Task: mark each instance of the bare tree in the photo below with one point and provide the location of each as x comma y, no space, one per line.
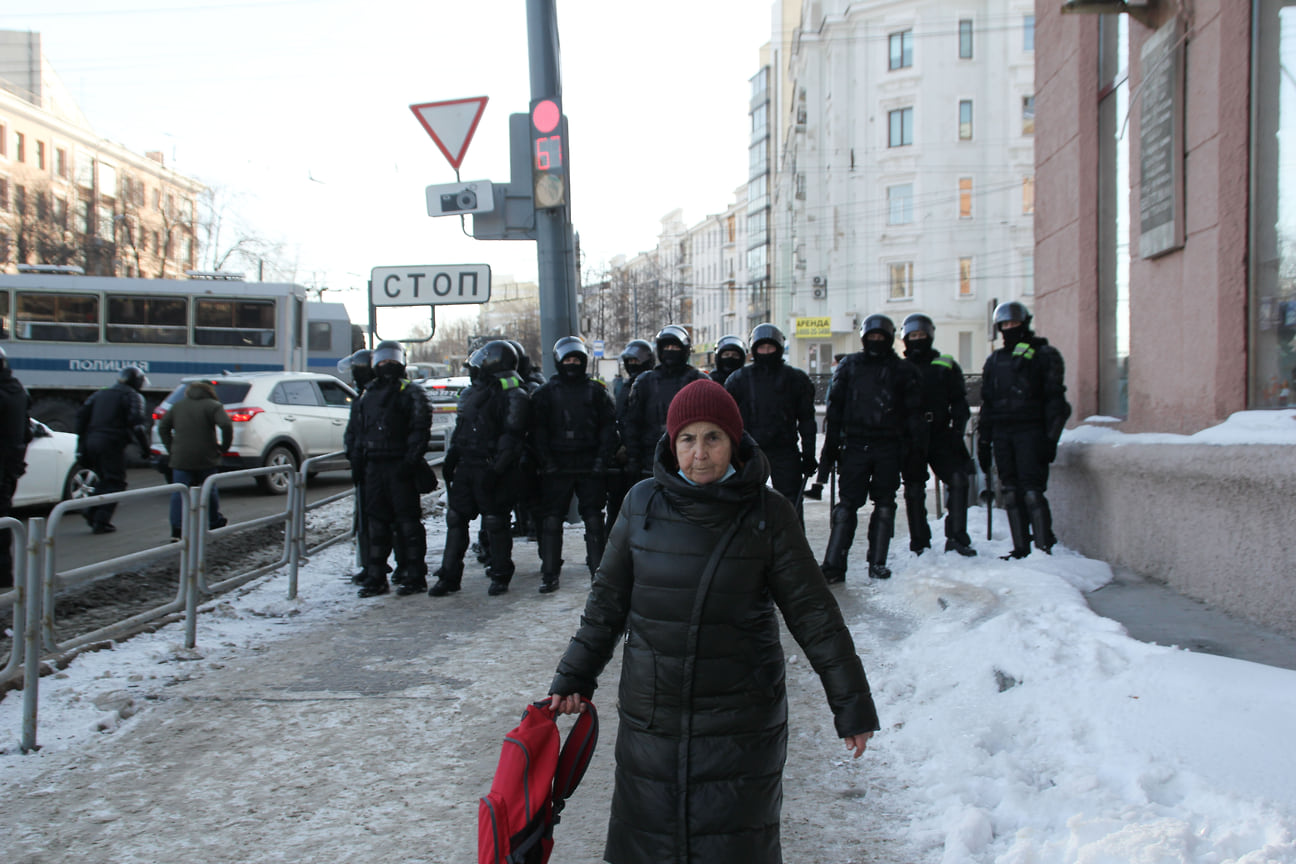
227,241
41,231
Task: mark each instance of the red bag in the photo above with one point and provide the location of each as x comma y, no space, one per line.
532,783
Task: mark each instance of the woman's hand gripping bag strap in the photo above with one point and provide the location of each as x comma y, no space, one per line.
532,783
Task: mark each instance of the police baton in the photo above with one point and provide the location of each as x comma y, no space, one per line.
988,498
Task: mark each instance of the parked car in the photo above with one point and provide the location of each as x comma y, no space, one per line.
443,393
280,418
53,473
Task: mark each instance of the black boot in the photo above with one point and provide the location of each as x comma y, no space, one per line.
956,536
1017,525
1041,520
482,547
380,546
916,511
595,542
450,574
412,538
844,522
551,562
501,543
881,527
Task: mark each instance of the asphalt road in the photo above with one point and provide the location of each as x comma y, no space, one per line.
145,523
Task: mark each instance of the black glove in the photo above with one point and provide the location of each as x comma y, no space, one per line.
448,470
809,464
1050,450
357,471
815,492
985,456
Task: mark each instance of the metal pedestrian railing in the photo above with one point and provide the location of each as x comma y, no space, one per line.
37,579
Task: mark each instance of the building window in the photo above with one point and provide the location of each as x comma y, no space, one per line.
901,280
901,127
900,204
901,50
61,162
965,277
4,193
965,119
965,39
20,147
1028,195
1028,114
60,212
965,197
1028,33
40,155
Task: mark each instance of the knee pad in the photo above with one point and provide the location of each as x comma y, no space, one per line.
842,515
552,523
455,519
916,493
492,522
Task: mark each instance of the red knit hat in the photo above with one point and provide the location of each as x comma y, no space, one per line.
704,399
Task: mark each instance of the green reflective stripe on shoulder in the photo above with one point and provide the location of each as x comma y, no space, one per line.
944,360
509,382
1022,349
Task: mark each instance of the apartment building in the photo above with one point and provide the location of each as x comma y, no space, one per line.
69,197
905,170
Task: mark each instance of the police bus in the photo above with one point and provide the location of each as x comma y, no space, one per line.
67,336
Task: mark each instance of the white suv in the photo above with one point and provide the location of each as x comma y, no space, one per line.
280,418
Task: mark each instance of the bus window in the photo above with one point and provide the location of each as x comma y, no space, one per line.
4,314
156,320
319,336
234,322
57,317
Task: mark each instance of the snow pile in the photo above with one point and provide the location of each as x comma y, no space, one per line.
1242,427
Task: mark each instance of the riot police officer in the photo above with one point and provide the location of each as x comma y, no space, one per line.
526,512
107,422
574,428
1023,412
15,434
636,358
777,405
359,368
873,415
480,466
730,355
652,394
388,436
946,412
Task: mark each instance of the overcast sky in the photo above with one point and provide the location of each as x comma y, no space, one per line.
299,111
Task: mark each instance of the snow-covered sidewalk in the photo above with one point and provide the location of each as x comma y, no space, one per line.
1018,727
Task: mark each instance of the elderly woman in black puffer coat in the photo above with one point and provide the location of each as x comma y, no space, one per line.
699,557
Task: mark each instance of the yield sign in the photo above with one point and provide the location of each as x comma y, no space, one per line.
451,124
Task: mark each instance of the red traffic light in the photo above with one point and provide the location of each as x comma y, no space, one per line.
545,116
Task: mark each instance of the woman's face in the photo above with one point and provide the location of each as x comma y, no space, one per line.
703,451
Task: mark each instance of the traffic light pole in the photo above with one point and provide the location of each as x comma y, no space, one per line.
555,249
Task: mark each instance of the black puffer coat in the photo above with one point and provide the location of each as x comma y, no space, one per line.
703,702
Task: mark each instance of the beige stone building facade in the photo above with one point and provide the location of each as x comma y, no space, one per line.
69,197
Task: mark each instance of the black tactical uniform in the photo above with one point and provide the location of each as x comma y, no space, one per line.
359,368
15,433
945,410
526,512
574,429
1023,412
730,355
106,423
651,396
481,466
636,359
388,436
873,416
777,404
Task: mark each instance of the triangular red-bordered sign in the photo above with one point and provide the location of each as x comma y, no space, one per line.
451,124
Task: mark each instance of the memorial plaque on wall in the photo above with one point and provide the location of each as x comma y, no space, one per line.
1161,146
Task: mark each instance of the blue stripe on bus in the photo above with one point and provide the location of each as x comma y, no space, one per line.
158,367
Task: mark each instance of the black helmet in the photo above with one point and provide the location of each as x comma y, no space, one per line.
878,323
637,352
917,323
674,333
495,356
569,345
1011,311
731,343
388,350
523,366
768,333
132,376
357,365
